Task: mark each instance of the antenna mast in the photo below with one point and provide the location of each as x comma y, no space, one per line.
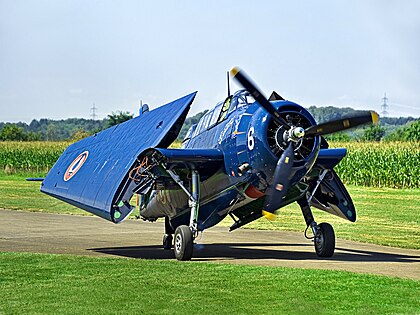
228,84
93,112
384,106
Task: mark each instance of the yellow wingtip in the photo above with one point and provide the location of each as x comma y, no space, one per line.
375,117
270,216
234,71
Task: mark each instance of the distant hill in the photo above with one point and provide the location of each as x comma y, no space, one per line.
323,114
64,129
389,124
60,129
189,122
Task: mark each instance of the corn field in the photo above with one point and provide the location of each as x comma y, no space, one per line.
380,164
29,157
377,164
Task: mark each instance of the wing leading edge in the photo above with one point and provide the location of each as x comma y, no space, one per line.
91,173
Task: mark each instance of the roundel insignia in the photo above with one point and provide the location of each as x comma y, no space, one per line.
75,166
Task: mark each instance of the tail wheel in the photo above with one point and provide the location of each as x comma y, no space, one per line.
183,244
325,240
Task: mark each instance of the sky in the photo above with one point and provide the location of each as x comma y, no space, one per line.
58,58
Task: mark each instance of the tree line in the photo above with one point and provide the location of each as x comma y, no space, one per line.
390,128
59,130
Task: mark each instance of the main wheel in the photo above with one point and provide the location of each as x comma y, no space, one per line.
183,245
167,241
325,240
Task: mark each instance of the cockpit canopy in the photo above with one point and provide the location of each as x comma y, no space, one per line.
219,113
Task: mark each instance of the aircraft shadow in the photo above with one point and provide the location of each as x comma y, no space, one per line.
238,251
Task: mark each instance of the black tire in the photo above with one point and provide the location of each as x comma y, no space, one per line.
183,243
167,241
325,241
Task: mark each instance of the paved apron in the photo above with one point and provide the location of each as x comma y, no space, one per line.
85,235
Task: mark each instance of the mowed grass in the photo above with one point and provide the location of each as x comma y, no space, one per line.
60,284
384,216
18,194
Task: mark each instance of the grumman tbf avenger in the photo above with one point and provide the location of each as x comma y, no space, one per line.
246,158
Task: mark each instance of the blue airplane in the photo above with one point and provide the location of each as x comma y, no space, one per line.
247,157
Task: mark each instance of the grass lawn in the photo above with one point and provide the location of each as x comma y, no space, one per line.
18,194
385,216
60,284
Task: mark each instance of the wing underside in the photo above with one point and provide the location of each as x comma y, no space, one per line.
158,169
332,196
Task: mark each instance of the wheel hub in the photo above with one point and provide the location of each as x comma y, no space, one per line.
319,239
178,243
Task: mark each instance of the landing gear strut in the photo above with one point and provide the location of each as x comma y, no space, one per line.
185,235
324,237
167,238
167,241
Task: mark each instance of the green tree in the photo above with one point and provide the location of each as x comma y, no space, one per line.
189,122
52,132
373,133
12,132
33,136
79,135
412,132
118,117
339,136
409,132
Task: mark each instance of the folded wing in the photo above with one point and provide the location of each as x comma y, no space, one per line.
93,173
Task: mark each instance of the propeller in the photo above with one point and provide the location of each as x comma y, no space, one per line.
281,179
258,96
342,124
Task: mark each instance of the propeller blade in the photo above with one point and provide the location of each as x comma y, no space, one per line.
342,124
281,183
258,96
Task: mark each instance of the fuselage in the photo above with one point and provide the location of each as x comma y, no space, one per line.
251,143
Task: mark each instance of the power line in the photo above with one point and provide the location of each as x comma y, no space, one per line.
404,106
384,106
93,112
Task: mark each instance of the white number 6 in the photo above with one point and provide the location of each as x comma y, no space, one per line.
251,141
